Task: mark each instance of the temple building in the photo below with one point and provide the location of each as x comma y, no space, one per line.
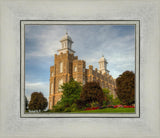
67,66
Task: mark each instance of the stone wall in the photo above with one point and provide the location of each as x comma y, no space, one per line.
72,67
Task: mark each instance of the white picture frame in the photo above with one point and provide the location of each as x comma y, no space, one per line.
136,23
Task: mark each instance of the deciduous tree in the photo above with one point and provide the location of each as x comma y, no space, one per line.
71,93
38,102
126,87
92,92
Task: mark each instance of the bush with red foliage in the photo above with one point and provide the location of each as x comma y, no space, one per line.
92,92
126,88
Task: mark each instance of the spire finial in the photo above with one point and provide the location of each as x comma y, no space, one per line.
66,31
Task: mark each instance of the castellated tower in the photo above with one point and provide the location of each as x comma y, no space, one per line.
67,66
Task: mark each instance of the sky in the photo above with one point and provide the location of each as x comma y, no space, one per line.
115,42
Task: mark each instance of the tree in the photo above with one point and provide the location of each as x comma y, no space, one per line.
108,96
71,93
26,103
126,87
38,102
109,100
92,92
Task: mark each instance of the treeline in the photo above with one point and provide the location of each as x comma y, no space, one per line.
77,97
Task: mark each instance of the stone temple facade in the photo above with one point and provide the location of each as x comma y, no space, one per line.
67,66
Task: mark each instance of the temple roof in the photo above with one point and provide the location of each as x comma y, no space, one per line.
102,59
66,37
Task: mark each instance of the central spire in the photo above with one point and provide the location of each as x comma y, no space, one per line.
66,44
66,32
103,65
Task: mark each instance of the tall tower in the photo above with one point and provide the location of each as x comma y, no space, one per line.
61,72
103,65
66,44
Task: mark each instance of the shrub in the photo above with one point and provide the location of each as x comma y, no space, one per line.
92,92
110,106
71,93
126,88
74,107
95,104
116,101
81,104
108,97
67,109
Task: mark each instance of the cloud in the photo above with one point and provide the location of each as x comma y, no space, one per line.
42,41
116,43
31,87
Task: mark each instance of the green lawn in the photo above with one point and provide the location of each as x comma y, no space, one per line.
109,110
105,110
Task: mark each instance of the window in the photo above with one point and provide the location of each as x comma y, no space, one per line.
60,84
100,65
51,88
84,69
69,45
75,69
51,74
83,81
61,67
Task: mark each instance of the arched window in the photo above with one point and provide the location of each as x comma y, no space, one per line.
51,74
84,81
61,67
51,88
84,69
75,69
60,84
